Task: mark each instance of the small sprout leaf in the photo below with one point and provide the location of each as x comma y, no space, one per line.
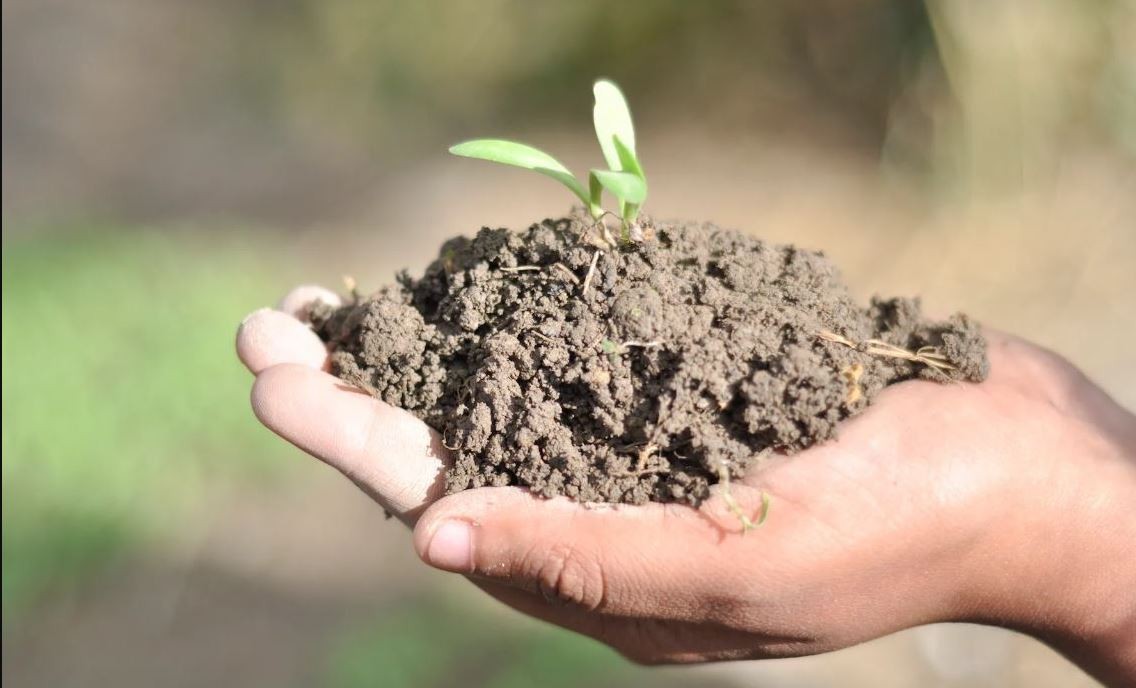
520,155
627,187
624,177
595,190
612,118
627,160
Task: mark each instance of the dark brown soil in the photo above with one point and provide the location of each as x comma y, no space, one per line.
689,354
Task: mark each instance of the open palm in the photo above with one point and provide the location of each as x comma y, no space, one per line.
922,510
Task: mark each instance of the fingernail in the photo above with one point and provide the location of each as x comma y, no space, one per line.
451,548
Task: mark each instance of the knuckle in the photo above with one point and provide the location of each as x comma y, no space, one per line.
565,575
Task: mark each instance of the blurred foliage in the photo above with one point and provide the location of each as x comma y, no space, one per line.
1027,84
382,70
426,643
121,394
289,111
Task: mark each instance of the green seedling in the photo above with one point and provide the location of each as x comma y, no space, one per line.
624,178
611,117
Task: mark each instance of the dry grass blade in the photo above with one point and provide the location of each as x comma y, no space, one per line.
927,355
833,337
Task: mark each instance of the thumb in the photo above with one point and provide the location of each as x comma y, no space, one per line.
655,560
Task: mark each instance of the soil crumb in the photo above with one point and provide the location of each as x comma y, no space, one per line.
630,374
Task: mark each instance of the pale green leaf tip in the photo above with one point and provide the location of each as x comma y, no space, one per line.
462,147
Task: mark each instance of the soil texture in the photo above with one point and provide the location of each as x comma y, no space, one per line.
647,372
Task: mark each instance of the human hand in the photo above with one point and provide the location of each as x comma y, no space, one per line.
1007,502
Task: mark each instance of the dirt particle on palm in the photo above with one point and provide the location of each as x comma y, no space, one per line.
689,354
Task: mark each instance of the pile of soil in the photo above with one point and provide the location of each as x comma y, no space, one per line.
552,360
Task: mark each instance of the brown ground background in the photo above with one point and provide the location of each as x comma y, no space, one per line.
190,160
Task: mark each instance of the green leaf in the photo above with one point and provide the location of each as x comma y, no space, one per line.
521,155
596,190
630,212
625,186
612,118
627,160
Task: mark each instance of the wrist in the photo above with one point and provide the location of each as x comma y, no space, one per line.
1098,629
1099,632
1062,566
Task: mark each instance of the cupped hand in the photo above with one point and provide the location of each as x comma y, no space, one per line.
938,503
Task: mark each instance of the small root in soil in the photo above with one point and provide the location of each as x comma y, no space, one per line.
591,272
522,268
642,458
567,271
539,335
606,237
736,509
613,349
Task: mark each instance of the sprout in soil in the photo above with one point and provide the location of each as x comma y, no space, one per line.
623,179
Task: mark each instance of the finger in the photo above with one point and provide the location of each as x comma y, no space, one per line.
386,451
297,302
652,641
656,561
267,338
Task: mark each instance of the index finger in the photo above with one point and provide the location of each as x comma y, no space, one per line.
391,455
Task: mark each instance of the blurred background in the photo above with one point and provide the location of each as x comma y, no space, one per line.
169,166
